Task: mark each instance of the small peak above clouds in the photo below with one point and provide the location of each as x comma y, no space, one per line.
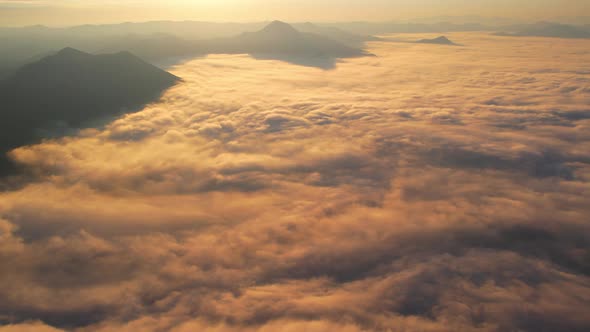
442,40
281,41
279,27
69,51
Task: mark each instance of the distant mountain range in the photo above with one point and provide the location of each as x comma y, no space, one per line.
153,48
547,29
71,88
381,28
277,40
152,41
159,41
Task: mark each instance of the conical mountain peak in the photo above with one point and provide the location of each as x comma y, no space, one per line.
278,27
70,52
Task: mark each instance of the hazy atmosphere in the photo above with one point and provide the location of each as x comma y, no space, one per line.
69,12
418,166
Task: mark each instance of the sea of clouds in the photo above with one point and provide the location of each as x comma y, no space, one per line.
429,188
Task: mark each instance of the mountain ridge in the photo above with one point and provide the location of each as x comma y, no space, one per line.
72,88
281,38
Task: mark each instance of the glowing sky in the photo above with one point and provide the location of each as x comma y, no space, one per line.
68,12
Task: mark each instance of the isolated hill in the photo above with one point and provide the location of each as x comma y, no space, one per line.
282,39
72,88
547,29
442,40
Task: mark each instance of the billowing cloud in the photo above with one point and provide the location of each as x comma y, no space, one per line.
426,189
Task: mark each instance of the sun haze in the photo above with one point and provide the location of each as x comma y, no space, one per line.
72,12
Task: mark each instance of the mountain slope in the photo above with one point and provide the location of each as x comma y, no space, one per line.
339,35
153,48
72,88
281,38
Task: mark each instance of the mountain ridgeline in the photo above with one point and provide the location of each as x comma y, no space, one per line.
282,38
281,41
70,89
339,35
161,41
278,40
548,29
165,43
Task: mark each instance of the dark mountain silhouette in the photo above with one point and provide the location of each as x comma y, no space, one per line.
281,41
547,29
70,89
159,42
277,40
442,40
279,28
282,38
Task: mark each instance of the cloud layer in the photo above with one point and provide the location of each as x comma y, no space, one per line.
426,189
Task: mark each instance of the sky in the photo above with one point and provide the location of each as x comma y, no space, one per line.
72,12
427,188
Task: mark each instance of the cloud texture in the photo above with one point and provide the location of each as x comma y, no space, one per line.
426,189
